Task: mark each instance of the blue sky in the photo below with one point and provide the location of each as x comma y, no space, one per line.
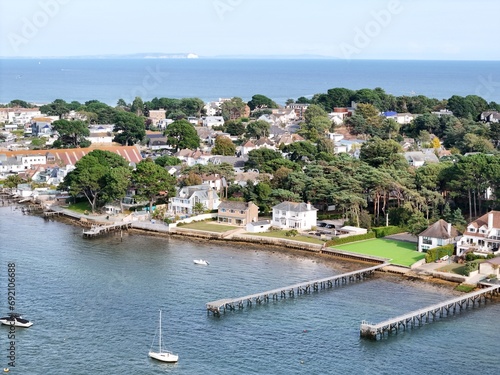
356,29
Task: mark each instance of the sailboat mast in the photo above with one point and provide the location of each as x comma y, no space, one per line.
159,339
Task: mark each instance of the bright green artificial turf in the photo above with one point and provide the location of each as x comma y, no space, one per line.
400,253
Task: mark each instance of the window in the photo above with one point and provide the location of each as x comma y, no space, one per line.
242,212
471,229
427,240
223,210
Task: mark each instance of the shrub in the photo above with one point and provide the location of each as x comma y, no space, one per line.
291,233
466,288
470,267
387,231
439,252
359,237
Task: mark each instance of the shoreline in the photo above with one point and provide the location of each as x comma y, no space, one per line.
343,262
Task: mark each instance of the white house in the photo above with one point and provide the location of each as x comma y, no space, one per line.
211,121
482,235
301,216
438,234
188,196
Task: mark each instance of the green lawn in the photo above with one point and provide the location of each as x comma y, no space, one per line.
281,234
80,207
209,227
400,253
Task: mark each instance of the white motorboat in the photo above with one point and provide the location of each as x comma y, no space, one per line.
162,355
201,262
16,320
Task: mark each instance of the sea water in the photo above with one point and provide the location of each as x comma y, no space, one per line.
95,306
107,80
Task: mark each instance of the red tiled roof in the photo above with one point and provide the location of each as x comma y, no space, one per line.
72,155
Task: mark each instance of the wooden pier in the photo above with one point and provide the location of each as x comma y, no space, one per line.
290,291
96,230
428,314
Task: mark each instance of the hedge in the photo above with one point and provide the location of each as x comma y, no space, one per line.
439,252
359,237
387,231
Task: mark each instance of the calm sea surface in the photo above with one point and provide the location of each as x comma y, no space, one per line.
42,81
95,306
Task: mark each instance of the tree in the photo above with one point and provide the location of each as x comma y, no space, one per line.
417,223
165,160
258,158
258,129
260,101
12,181
378,152
235,128
71,133
233,109
95,178
57,108
199,208
152,181
316,123
137,106
129,128
223,146
181,134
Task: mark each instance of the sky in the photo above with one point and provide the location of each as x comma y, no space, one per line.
356,29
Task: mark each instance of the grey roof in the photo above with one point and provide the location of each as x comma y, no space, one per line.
259,223
439,230
234,205
294,207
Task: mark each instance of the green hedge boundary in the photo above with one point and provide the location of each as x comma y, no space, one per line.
359,237
438,252
387,231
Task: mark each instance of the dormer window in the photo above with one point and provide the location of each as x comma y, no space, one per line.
471,229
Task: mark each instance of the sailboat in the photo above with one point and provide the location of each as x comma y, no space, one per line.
162,355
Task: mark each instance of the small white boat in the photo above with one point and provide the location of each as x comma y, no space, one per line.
16,320
201,262
162,355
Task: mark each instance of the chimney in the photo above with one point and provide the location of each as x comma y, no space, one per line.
449,229
490,220
308,206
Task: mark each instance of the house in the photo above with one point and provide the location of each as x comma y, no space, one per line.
188,196
490,116
157,115
443,112
258,226
101,134
490,267
301,216
482,236
438,234
39,128
237,213
418,158
247,147
298,108
193,157
211,121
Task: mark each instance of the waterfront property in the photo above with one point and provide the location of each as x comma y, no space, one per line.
438,234
290,291
302,216
238,213
482,235
427,314
399,252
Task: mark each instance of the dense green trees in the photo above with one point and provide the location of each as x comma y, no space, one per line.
100,176
223,146
72,133
260,101
152,181
181,134
129,128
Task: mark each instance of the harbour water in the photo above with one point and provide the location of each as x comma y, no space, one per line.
94,304
107,80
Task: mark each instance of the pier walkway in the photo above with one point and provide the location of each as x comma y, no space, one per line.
96,230
427,314
290,291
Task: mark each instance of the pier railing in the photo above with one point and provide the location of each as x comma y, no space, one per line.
427,314
216,307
